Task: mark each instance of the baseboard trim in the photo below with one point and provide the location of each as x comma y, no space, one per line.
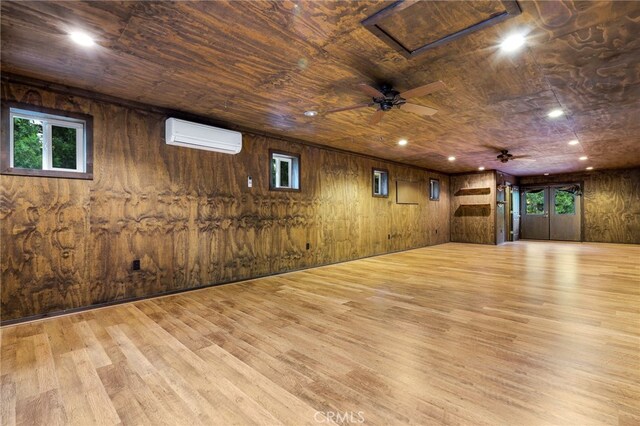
48,315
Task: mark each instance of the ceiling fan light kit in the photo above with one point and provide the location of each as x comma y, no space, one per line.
386,98
505,157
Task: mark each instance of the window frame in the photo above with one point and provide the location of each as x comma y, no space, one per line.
291,156
431,197
53,117
555,193
545,206
373,182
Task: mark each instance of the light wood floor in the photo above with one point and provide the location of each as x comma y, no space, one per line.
526,333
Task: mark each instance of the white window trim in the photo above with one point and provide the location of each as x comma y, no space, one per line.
279,160
380,190
433,183
293,167
49,120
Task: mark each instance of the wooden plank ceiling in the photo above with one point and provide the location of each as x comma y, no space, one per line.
262,64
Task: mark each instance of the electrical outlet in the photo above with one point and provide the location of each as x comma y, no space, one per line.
249,181
136,265
308,246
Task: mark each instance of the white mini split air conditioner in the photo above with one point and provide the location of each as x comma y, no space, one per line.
198,136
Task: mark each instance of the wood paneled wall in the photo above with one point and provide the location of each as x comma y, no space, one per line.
611,203
473,217
189,215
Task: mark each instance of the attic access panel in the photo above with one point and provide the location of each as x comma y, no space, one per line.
412,27
407,192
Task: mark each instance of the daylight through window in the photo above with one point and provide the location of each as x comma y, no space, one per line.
434,189
380,183
47,142
285,171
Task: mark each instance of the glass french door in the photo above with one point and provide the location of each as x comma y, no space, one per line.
534,223
565,220
551,213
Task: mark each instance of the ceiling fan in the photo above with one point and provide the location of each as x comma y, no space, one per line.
504,157
387,98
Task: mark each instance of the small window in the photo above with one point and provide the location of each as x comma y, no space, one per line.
380,183
284,171
43,142
564,202
534,202
434,189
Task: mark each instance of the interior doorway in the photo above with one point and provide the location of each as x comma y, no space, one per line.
507,214
514,204
551,212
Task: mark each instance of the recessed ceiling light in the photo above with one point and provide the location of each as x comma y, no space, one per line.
311,113
512,43
402,142
584,157
555,113
81,38
574,142
546,174
589,168
452,158
481,168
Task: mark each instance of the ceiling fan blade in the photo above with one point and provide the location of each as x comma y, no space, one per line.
423,90
363,105
418,109
376,117
371,91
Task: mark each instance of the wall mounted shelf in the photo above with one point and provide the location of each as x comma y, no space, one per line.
473,191
467,210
